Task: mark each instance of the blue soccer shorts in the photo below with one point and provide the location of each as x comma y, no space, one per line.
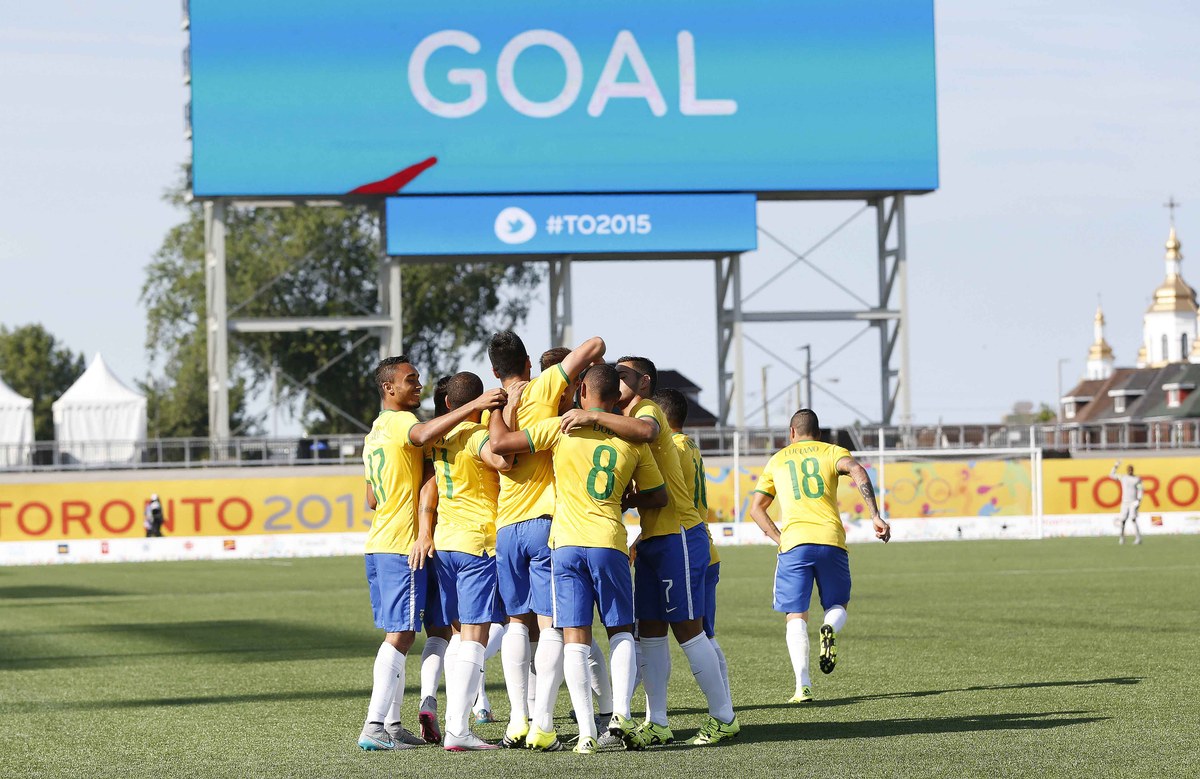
711,576
669,576
799,566
523,567
466,586
586,578
397,592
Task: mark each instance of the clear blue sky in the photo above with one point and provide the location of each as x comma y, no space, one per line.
1063,128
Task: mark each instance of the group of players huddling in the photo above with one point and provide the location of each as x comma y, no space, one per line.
498,523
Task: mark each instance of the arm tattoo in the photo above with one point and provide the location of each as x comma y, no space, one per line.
868,493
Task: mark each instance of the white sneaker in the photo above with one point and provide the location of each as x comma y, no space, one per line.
402,735
467,743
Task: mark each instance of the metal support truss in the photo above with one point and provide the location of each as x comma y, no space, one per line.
386,325
890,315
561,331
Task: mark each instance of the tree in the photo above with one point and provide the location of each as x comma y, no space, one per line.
306,261
37,366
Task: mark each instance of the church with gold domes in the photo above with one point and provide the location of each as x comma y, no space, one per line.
1163,384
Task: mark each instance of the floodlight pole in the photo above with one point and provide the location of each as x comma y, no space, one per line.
391,334
216,319
729,338
561,330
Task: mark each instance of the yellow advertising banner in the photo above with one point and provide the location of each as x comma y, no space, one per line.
257,505
1086,486
191,507
954,488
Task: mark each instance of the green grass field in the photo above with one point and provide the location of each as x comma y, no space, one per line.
1052,658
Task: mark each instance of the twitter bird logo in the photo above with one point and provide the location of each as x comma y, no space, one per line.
515,225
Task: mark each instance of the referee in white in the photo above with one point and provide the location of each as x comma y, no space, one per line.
1131,499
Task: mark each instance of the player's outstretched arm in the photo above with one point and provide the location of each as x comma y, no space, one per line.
424,432
503,440
493,460
758,512
422,549
634,430
852,468
587,353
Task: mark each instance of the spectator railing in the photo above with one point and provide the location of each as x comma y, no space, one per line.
714,441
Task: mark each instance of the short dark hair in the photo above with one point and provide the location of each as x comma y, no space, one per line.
604,381
439,396
507,353
646,366
463,388
554,356
805,422
385,371
674,404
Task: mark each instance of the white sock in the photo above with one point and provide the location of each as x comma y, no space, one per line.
624,672
797,644
836,618
496,635
388,684
549,664
656,672
579,684
723,664
600,680
707,671
637,658
514,657
531,685
433,657
462,678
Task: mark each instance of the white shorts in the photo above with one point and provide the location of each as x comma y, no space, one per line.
1129,512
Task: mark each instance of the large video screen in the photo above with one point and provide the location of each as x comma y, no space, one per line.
385,97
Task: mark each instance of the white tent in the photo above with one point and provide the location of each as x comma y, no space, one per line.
16,427
99,419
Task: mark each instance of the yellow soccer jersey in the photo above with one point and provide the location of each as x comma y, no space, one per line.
394,467
693,477
680,510
467,491
806,479
695,483
527,489
593,467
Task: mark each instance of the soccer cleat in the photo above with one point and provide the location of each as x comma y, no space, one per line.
621,731
586,746
484,717
467,743
828,659
543,741
428,718
609,743
401,735
514,735
804,696
714,730
651,734
375,738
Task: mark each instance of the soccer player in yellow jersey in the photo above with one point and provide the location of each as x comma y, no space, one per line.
675,406
523,528
464,559
591,555
671,564
396,574
812,541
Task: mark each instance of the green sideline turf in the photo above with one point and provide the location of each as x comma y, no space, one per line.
1051,658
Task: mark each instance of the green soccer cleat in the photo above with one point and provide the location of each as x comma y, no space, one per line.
543,741
514,735
804,696
650,734
714,730
621,732
586,746
828,660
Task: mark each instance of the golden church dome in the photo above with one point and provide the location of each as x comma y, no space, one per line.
1173,295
